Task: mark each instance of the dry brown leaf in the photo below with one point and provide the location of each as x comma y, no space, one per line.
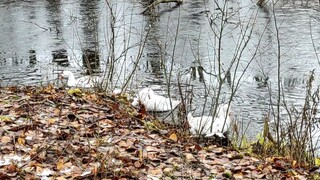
202,157
60,164
238,175
211,147
137,164
196,174
42,154
52,120
267,169
190,157
152,155
95,168
60,178
5,139
217,150
256,174
75,124
141,155
270,159
73,105
21,141
254,159
157,171
91,97
221,161
251,167
173,137
68,164
106,123
56,111
5,118
167,170
125,144
12,168
237,168
49,89
229,155
294,163
152,149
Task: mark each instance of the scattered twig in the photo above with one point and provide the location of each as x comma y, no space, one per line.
46,29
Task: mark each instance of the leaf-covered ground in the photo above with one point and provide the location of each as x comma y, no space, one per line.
49,133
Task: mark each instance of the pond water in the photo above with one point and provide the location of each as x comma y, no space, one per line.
41,38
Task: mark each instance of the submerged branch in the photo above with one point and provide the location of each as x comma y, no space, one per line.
156,2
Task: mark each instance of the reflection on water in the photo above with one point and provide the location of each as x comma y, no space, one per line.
91,61
32,58
60,57
42,37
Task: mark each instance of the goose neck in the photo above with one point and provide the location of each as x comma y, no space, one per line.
71,80
189,116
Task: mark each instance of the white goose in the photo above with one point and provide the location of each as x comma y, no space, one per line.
202,124
84,82
154,102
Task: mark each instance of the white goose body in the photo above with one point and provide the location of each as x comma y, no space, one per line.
221,123
84,82
154,102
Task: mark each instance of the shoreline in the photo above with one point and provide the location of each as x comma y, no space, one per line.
53,133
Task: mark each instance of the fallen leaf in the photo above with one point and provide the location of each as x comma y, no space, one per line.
173,137
52,120
197,147
43,171
60,164
21,141
141,155
137,164
190,157
42,155
254,159
238,175
12,168
49,89
167,170
56,111
60,178
5,118
75,92
123,144
155,171
152,149
91,97
294,163
5,139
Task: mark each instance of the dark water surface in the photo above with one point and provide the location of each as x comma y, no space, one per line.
40,38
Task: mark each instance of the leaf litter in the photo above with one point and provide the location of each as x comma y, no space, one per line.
51,133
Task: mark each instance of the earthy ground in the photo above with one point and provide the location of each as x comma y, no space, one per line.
49,133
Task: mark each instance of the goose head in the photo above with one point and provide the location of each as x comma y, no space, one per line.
69,76
66,74
145,94
142,96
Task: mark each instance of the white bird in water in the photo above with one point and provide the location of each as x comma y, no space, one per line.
84,82
221,123
154,102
